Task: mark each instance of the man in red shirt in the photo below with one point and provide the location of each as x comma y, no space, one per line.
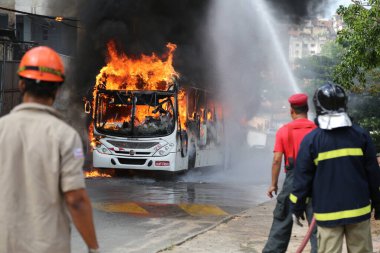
288,140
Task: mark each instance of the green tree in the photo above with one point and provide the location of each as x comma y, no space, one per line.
358,69
332,50
318,69
364,109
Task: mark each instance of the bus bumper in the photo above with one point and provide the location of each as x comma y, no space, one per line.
162,163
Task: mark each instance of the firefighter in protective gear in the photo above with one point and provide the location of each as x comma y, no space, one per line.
337,165
288,139
41,156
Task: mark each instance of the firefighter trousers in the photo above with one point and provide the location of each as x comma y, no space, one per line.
358,238
282,225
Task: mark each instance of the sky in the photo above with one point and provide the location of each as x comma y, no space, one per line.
334,5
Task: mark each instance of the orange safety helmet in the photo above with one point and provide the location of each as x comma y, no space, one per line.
42,63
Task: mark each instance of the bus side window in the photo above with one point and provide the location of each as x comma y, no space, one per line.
201,111
191,103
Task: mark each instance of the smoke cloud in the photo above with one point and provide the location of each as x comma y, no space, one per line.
146,26
297,10
142,27
67,8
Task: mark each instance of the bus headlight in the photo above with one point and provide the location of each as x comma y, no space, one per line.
165,150
103,149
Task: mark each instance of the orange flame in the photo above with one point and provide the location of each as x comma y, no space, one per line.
146,73
209,115
182,100
96,173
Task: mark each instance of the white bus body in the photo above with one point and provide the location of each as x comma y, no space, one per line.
147,145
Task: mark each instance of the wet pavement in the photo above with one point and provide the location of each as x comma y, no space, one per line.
146,214
120,190
139,213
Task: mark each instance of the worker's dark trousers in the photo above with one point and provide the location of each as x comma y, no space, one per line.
281,229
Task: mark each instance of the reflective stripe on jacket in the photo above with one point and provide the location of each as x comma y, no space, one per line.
338,168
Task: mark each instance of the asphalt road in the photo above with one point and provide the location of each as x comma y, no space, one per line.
139,213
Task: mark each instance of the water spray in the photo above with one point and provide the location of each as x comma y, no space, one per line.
269,24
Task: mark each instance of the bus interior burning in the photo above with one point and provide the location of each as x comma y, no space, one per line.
145,118
135,113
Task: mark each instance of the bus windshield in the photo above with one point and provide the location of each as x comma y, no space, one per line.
135,113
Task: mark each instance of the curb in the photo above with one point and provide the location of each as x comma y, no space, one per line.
190,237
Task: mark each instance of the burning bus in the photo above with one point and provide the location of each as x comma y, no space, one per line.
144,118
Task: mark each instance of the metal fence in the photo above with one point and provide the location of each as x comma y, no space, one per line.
9,93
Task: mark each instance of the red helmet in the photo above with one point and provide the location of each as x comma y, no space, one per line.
42,63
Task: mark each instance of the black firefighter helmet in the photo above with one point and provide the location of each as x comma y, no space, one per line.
329,99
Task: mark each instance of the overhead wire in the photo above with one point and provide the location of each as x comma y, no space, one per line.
59,19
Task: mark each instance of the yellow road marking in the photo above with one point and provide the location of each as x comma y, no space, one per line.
202,210
120,208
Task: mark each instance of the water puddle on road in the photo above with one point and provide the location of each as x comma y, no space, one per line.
204,187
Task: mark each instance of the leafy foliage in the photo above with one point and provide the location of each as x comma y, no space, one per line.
359,69
316,70
361,39
372,125
365,111
363,106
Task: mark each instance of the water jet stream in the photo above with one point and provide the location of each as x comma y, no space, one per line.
263,11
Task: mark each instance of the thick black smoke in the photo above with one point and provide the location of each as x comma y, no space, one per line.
145,26
142,27
296,10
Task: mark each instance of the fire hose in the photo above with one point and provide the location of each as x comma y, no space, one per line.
307,236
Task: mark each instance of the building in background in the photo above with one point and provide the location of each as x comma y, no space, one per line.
40,24
7,23
61,36
21,31
338,23
7,20
308,38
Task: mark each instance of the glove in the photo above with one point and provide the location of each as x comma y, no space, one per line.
93,250
297,217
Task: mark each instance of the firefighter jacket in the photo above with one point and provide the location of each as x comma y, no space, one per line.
338,168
